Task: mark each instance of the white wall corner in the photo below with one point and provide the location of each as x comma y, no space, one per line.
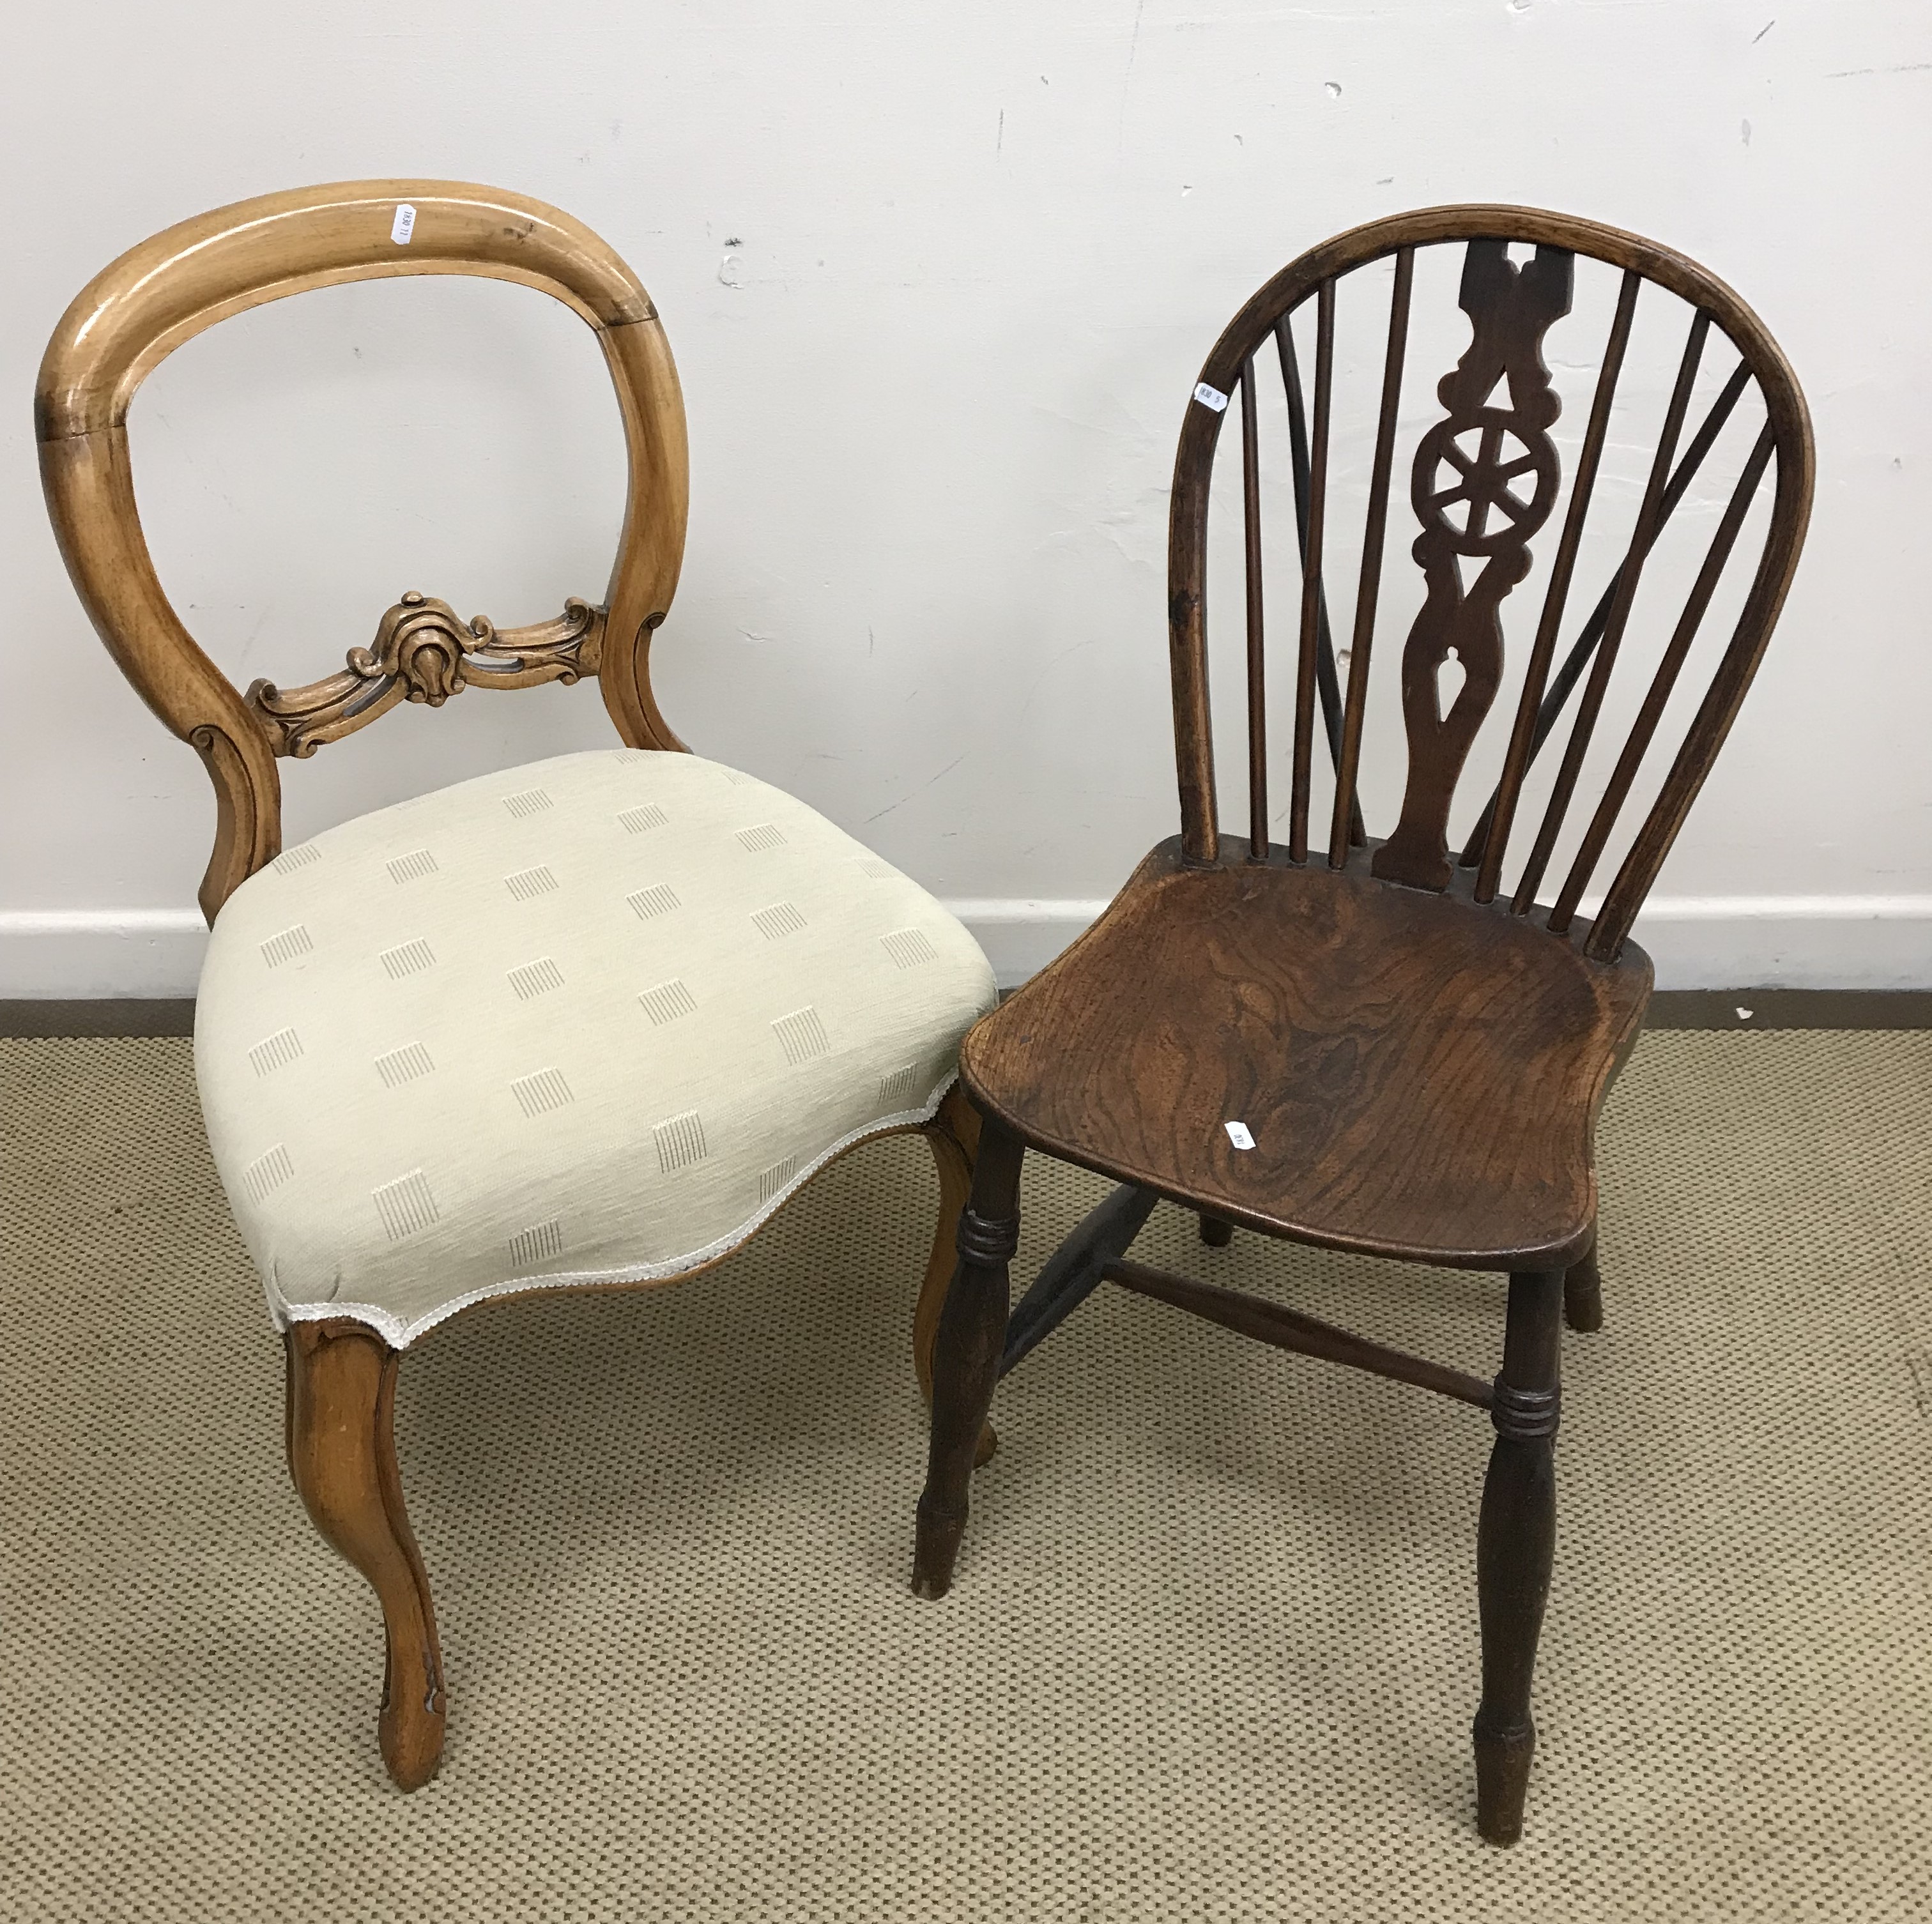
1715,941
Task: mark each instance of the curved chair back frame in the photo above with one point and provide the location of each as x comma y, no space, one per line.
139,311
1509,309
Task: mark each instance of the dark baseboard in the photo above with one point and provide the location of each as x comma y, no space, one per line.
1669,1008
128,1016
1790,1008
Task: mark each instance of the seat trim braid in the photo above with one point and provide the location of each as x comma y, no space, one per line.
399,1334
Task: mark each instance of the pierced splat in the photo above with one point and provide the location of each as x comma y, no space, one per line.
1484,481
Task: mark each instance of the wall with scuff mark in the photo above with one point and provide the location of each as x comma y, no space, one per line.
939,281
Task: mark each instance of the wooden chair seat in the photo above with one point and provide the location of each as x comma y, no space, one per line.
1419,1074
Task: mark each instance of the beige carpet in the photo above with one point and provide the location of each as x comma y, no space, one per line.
1212,1651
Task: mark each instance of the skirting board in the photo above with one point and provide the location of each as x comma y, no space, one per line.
1793,941
1733,1008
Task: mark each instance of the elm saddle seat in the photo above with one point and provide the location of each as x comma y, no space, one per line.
1420,1073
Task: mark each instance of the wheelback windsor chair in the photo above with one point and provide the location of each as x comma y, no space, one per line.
1378,1046
587,1022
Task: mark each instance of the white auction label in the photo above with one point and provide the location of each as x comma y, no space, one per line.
405,225
1210,397
1237,1134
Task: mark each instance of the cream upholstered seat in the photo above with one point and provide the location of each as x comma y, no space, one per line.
592,1019
586,1022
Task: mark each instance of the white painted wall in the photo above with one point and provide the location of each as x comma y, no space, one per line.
938,280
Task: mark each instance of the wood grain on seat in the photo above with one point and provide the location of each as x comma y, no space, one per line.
1419,1074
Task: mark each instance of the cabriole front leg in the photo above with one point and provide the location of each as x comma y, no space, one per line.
342,1455
966,1354
953,1136
1515,1545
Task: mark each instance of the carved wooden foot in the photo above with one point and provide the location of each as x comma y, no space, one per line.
1583,1294
1216,1232
953,1136
1516,1543
966,1355
341,1400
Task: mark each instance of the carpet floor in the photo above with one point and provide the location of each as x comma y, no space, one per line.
1212,1654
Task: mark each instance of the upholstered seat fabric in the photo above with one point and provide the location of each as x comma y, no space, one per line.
590,1021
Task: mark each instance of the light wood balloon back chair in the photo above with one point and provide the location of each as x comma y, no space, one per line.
136,312
1388,1046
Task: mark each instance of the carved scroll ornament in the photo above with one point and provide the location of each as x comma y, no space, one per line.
1511,473
424,652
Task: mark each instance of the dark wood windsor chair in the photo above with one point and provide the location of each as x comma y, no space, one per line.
1380,1046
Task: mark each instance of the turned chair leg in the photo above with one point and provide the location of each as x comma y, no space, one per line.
966,1354
341,1401
1583,1293
953,1136
1217,1232
1516,1543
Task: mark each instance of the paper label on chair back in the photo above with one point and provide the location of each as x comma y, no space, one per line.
1238,1134
404,225
1210,397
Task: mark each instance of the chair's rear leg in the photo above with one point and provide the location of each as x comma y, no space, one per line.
1583,1293
953,1136
966,1354
1217,1232
1516,1543
341,1403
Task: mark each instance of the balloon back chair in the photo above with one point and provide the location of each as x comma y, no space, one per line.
1388,1046
588,1022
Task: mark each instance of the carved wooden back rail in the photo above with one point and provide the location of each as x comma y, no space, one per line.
136,312
1505,491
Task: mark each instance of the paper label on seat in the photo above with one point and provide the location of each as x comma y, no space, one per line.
1237,1134
404,226
1210,397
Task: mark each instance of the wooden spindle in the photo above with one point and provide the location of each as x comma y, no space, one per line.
1628,577
1349,761
1665,679
1578,659
1251,524
1311,571
1325,683
1791,509
1515,764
